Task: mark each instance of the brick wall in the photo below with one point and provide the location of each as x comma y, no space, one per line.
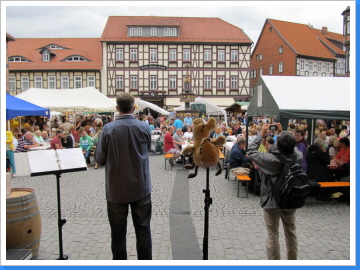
268,45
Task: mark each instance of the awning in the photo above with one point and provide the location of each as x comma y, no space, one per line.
173,102
142,104
221,101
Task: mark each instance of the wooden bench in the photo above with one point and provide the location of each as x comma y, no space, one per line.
222,157
167,157
334,184
243,178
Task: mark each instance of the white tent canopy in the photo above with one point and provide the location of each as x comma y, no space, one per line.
69,99
211,108
301,97
142,104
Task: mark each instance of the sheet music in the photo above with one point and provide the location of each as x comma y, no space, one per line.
71,158
43,161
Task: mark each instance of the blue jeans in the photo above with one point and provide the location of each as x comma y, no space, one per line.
141,215
87,156
11,159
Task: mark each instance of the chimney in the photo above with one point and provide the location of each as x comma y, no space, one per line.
324,30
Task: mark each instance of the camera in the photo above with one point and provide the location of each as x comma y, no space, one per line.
273,127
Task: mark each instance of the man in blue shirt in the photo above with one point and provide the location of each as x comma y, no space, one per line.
188,120
123,146
177,124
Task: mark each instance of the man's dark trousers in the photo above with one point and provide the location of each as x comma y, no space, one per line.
141,215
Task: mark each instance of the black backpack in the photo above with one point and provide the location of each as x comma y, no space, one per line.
291,187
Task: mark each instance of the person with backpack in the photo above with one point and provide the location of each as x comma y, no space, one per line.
271,167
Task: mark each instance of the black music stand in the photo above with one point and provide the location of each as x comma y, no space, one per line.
61,222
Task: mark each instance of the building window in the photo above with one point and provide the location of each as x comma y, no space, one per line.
38,82
119,54
347,25
173,32
153,55
90,81
132,32
234,55
186,55
76,58
64,82
311,65
280,49
261,71
270,29
55,47
17,59
133,55
24,83
319,66
12,83
172,82
234,82
271,69
302,64
172,55
327,67
221,83
153,82
207,55
254,74
133,82
46,57
139,31
281,67
119,82
166,32
51,82
221,56
77,81
207,82
153,32
260,57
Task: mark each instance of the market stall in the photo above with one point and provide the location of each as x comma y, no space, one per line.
297,97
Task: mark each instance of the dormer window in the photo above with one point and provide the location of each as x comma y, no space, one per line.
135,31
18,59
153,32
55,47
173,32
170,32
76,58
46,57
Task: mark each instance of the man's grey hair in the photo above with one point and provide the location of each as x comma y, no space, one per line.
319,143
286,143
241,140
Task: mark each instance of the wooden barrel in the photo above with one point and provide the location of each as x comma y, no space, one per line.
23,221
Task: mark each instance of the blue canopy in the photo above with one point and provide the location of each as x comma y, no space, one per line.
17,107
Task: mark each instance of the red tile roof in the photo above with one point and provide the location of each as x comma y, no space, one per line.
30,48
191,29
308,41
9,37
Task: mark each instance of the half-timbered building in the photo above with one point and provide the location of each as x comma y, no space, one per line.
149,57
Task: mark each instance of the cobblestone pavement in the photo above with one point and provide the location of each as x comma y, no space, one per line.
236,230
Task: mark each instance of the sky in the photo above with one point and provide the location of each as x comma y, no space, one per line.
88,19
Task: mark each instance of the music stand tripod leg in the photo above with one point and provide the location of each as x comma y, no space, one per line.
61,222
208,202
